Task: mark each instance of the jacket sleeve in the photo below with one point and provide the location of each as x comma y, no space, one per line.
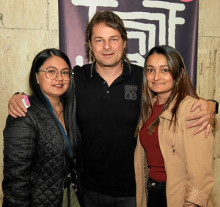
198,152
141,172
19,149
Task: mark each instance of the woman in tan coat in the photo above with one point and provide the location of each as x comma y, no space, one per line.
172,168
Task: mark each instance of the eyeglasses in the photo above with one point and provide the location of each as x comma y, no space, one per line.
52,73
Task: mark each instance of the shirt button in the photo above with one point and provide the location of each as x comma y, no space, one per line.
107,91
104,82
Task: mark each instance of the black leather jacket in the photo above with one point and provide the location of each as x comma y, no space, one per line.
34,159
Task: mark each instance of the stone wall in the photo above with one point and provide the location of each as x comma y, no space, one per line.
27,27
208,77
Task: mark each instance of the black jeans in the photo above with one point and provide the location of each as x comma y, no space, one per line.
96,199
156,193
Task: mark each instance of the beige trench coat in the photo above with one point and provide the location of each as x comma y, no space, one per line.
188,162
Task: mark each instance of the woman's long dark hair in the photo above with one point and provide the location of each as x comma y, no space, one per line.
182,87
67,99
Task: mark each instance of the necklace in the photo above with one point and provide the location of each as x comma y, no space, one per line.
60,117
57,113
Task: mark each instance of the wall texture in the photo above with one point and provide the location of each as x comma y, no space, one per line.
208,78
26,27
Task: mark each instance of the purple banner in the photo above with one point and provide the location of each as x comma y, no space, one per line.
148,23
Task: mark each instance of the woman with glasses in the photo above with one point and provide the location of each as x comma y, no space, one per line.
41,149
173,167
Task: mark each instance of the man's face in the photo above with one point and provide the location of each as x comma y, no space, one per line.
107,45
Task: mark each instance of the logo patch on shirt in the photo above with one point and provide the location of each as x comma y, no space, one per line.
130,92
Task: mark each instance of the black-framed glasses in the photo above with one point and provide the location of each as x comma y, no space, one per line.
52,73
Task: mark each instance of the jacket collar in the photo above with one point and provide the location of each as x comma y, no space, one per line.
167,114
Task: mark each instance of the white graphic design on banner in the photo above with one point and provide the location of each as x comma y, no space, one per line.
142,30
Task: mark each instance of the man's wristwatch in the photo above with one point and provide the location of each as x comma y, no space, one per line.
216,105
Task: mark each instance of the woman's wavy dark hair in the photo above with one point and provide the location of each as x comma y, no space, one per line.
182,87
110,19
67,99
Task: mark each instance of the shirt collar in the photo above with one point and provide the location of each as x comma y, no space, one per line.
126,69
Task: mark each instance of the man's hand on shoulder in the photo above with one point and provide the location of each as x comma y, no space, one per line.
16,107
204,118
